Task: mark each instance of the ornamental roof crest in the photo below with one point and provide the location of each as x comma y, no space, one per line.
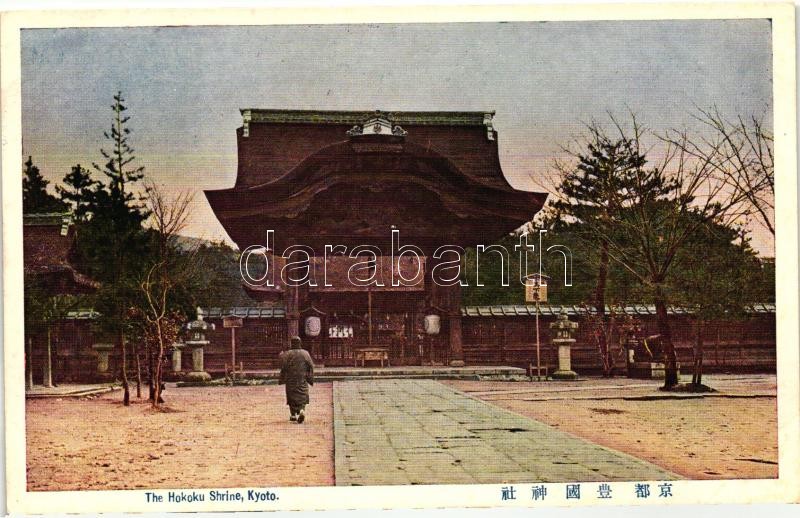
378,124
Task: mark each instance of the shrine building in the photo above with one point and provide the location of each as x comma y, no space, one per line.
349,179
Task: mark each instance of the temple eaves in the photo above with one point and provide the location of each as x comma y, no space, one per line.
420,118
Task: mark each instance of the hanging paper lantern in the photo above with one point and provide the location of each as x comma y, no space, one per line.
432,324
313,326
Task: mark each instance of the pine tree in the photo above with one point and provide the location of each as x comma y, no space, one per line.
120,177
669,204
113,242
35,197
79,192
592,193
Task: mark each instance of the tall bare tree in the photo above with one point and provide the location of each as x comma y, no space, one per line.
169,270
646,222
740,155
667,204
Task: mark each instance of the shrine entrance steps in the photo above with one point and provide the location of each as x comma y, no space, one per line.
407,372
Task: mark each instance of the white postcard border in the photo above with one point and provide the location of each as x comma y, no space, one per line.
784,489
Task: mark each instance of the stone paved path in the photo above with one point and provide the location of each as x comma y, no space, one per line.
421,432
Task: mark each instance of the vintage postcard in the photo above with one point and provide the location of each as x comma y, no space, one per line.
298,259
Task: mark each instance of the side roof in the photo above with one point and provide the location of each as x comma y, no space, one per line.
46,244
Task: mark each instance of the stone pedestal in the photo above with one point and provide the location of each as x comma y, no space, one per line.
564,371
198,370
658,370
103,353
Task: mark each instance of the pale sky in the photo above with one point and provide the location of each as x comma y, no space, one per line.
184,86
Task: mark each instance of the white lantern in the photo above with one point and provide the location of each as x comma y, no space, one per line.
432,324
313,326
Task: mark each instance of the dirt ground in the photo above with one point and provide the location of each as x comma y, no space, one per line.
212,437
241,437
702,438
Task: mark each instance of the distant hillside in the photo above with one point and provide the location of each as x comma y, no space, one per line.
189,243
222,283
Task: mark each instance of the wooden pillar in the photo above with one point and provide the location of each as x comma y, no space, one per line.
448,300
453,308
29,365
456,347
292,312
48,362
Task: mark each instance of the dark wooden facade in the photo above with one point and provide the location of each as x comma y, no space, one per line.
744,345
499,335
74,359
502,335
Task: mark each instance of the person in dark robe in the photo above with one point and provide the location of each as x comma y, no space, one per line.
297,373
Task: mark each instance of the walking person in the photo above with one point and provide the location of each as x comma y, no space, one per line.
297,373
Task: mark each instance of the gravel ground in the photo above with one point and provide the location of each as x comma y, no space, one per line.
699,438
241,437
208,438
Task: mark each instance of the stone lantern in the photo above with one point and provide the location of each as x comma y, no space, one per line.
103,351
631,341
196,339
564,331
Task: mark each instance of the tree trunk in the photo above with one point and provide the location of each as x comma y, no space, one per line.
150,371
126,391
138,372
48,364
670,361
157,400
697,374
600,308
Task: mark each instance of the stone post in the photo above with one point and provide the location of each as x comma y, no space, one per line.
177,358
103,353
564,332
47,373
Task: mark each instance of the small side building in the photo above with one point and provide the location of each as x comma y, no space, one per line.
48,246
